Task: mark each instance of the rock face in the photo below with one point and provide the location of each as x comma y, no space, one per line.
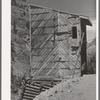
91,54
20,38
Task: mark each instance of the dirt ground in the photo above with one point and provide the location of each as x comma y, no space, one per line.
83,88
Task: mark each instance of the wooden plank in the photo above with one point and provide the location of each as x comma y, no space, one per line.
62,33
45,79
42,27
28,98
55,66
44,47
32,87
48,85
43,35
38,85
29,89
40,13
30,95
33,93
45,87
44,24
41,20
36,82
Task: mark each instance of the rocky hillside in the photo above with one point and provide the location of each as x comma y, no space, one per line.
92,43
20,37
91,56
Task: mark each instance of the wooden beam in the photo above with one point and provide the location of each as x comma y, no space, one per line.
50,26
40,13
41,20
83,23
85,20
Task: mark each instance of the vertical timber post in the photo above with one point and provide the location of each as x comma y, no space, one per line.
83,23
30,38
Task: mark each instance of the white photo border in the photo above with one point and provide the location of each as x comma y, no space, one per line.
6,50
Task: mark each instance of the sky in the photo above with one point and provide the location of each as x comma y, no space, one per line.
81,7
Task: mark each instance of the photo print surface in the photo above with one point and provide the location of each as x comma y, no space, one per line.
53,50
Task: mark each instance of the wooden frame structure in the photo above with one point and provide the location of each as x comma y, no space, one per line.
46,36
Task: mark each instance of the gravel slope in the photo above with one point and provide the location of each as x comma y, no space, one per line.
83,88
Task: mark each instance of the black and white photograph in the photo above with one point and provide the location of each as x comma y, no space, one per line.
53,50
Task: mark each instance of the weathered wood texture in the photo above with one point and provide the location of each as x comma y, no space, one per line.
42,43
35,87
53,51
